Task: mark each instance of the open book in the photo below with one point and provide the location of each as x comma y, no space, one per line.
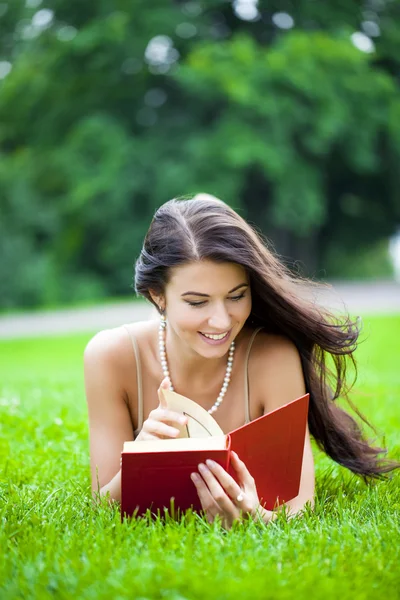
153,472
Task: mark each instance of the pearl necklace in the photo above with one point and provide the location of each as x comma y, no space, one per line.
164,365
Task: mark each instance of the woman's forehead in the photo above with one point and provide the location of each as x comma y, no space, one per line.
207,277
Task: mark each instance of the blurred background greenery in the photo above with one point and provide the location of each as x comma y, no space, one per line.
287,110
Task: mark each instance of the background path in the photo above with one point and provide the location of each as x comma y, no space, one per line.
358,298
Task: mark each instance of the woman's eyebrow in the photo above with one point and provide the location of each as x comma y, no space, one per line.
207,296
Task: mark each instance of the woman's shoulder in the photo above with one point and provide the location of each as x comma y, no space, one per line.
272,345
276,370
114,346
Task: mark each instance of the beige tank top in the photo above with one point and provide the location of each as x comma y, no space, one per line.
140,384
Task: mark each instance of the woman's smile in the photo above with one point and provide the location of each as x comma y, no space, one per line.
215,339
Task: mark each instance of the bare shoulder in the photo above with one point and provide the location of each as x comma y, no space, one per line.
108,360
276,370
108,347
277,349
113,347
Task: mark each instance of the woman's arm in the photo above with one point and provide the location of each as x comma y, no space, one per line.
109,419
113,487
108,361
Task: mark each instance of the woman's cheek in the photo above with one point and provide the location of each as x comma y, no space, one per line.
246,310
188,319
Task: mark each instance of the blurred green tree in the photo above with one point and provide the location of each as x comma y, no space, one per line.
307,127
107,109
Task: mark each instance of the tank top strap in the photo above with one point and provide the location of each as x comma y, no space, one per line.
138,376
246,376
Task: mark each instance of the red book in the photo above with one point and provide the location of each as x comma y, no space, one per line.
154,472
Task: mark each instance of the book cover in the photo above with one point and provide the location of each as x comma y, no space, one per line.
152,473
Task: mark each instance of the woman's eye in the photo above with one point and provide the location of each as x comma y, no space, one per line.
234,298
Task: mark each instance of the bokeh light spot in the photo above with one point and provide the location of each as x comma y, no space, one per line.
362,42
160,51
186,30
155,97
371,28
30,32
283,20
43,18
66,33
5,68
33,3
246,10
192,9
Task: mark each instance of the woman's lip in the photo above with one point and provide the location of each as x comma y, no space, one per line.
206,333
215,342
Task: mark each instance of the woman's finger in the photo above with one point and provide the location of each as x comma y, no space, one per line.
158,428
164,386
208,503
217,491
146,437
243,474
167,416
231,487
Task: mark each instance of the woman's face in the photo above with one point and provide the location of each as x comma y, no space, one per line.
204,299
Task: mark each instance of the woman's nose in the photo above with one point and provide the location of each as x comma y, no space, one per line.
220,320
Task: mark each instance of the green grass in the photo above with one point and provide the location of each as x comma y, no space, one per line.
54,544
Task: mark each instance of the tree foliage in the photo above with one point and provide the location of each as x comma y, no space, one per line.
110,109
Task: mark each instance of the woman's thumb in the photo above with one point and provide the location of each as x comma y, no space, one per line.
164,386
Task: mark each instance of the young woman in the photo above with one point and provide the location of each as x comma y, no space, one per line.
237,335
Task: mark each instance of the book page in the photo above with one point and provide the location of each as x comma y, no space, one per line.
200,423
176,445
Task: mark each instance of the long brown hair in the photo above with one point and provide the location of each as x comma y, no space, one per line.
204,227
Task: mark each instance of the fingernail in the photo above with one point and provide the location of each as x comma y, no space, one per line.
202,468
194,477
210,463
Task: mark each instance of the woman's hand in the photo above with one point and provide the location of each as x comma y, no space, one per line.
162,423
219,493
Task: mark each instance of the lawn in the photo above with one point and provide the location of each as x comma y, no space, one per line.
54,544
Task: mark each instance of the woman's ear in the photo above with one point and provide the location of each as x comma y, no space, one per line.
158,300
